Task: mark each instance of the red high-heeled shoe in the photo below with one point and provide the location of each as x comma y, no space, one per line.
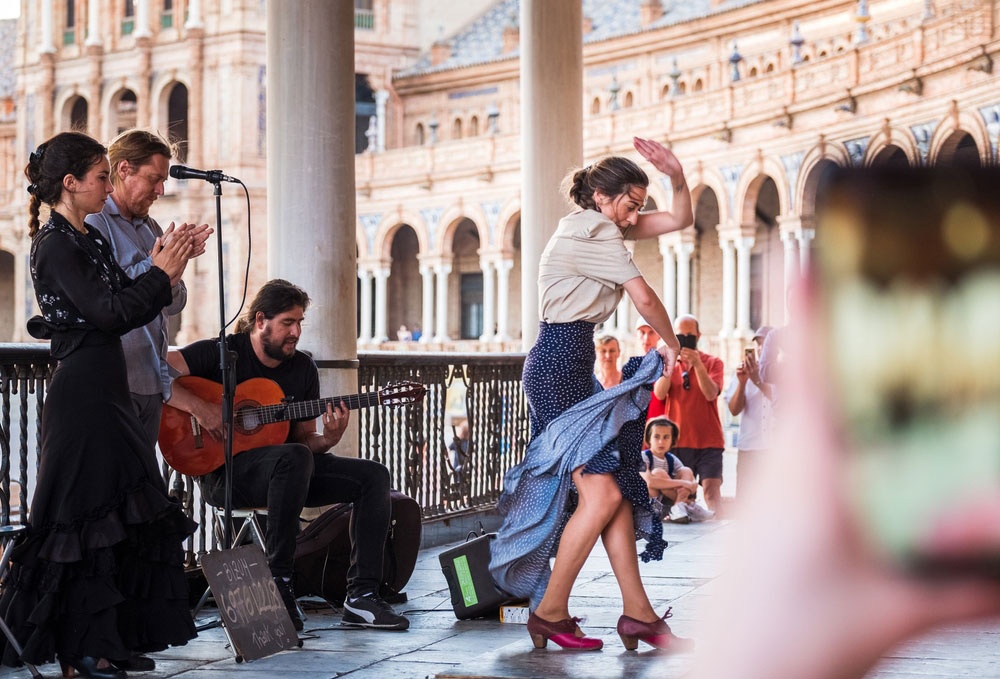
656,634
562,632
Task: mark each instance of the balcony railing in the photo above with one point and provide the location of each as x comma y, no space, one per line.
412,441
364,18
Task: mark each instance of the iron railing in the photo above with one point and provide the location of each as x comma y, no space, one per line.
415,442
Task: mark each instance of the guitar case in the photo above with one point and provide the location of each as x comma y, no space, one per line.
323,552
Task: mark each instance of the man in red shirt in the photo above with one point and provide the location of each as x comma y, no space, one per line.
692,396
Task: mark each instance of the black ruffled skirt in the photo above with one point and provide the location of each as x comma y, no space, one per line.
101,570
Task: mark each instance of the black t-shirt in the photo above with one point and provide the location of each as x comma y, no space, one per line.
298,377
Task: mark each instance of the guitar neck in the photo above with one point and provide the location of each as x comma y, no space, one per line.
308,410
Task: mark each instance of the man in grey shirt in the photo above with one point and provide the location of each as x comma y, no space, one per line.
139,162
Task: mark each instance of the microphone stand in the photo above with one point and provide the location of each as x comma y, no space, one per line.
226,359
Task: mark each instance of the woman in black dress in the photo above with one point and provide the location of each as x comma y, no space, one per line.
99,577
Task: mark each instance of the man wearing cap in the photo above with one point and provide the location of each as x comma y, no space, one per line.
751,398
648,339
692,394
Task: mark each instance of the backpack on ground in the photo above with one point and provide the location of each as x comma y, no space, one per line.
323,552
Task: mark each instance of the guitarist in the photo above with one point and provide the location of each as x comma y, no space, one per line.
300,472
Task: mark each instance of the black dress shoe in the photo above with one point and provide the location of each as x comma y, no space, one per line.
136,663
87,667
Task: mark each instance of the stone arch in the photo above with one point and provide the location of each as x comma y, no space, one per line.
815,164
595,106
120,106
474,126
392,223
69,105
656,194
751,182
951,138
706,260
710,179
404,300
172,114
449,222
418,135
890,146
628,101
509,223
456,128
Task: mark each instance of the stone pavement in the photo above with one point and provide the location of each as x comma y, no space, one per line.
438,645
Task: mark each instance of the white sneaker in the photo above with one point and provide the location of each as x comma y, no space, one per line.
679,513
698,513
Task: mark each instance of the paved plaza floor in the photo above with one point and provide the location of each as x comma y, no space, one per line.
438,645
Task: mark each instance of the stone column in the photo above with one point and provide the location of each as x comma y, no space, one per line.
142,19
196,65
728,286
503,299
551,131
194,15
743,247
441,331
365,332
684,252
669,277
805,237
381,97
381,304
144,109
427,304
489,296
46,44
791,266
320,256
93,27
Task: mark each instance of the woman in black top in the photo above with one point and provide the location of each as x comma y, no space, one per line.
99,577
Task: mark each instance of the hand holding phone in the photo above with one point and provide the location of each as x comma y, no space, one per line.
908,271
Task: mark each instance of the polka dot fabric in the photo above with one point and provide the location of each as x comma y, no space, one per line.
573,423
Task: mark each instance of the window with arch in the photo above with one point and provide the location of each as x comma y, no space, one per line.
364,112
682,88
752,73
78,115
69,35
665,92
177,120
474,126
769,68
595,106
456,129
125,108
419,136
699,85
627,101
822,53
167,14
128,17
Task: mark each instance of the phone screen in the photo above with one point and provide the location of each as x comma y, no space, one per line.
908,267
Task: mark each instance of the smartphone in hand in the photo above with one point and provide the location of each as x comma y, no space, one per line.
908,277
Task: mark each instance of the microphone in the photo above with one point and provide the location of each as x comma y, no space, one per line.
214,176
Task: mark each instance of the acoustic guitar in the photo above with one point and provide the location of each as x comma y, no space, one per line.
261,416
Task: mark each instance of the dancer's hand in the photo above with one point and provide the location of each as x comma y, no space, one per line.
662,158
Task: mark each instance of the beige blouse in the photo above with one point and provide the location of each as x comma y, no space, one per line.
583,268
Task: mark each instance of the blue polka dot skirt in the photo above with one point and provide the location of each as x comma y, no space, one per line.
559,376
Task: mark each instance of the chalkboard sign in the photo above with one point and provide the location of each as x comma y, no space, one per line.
248,600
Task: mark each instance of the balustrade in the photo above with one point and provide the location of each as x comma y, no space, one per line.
412,441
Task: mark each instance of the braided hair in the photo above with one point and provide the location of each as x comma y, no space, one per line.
66,153
612,176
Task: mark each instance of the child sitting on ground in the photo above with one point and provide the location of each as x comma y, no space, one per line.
668,480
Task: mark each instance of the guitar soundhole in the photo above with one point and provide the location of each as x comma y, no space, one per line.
247,420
